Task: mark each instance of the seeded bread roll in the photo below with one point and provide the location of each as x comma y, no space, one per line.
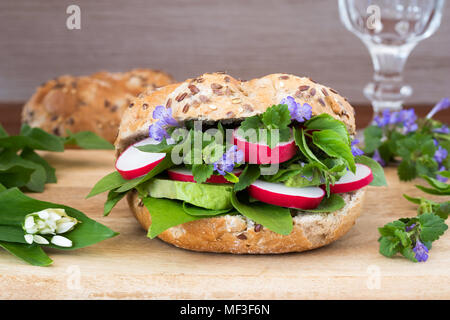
239,235
94,103
218,96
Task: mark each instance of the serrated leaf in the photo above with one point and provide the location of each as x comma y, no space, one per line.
372,138
389,246
331,143
432,227
276,117
325,121
202,172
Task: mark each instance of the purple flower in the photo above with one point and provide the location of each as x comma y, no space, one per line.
409,228
297,111
421,251
444,129
228,160
441,105
376,156
406,117
164,116
440,154
157,132
384,120
439,177
355,150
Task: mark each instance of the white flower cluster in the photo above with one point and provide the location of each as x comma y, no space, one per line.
48,222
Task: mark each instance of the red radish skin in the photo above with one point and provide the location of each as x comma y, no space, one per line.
259,153
351,182
133,163
280,195
186,176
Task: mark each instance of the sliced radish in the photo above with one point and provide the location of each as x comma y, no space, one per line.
260,153
185,175
353,181
133,163
280,195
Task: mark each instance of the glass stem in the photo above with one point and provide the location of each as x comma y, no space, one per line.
387,90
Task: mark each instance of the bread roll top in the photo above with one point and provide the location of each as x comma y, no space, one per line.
218,96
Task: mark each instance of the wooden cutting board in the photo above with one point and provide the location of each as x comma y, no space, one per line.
131,266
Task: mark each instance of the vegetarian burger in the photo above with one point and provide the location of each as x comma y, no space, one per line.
221,165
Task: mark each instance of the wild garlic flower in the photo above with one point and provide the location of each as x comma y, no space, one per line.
48,222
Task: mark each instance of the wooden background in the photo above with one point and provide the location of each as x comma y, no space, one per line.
188,37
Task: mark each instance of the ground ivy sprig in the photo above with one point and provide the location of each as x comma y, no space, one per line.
420,145
413,237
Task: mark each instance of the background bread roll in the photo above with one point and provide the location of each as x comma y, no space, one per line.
94,103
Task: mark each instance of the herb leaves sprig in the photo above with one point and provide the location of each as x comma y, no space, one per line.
22,167
420,145
413,237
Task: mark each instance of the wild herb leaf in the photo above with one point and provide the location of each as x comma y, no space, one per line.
202,172
198,211
32,254
377,171
274,218
109,182
248,176
111,201
87,140
14,206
